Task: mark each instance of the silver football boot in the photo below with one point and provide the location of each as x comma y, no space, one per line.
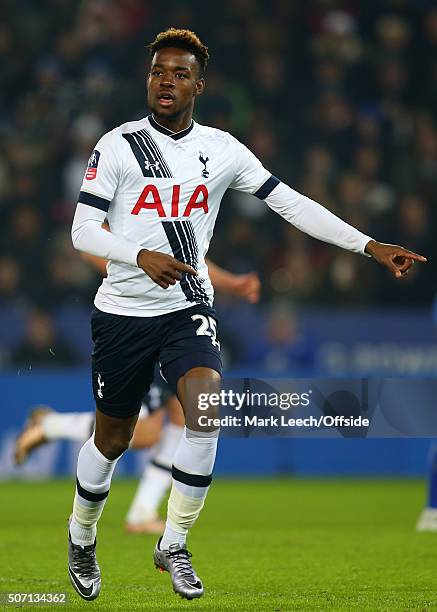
83,569
176,561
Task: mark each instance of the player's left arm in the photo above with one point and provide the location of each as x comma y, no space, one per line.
310,217
317,221
246,286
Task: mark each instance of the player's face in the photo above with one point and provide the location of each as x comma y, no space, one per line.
173,83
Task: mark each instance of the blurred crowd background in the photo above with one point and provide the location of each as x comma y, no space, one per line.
337,98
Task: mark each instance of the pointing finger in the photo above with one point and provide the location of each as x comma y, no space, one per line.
182,267
411,255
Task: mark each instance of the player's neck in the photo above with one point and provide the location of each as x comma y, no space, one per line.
176,124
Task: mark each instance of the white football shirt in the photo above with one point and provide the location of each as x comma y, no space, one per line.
161,191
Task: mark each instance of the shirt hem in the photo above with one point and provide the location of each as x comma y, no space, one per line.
138,312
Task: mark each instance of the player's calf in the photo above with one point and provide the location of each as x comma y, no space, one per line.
191,477
94,473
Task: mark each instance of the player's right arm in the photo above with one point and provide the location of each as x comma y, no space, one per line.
246,286
99,185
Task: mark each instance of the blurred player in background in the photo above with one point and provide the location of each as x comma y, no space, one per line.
159,428
160,182
427,520
428,517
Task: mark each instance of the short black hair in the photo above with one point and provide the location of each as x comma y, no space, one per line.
182,39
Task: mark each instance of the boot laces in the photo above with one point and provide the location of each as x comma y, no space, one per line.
84,562
181,561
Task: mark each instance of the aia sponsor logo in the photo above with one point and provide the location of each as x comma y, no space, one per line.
150,199
93,162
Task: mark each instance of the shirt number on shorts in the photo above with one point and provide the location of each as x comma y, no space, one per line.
207,327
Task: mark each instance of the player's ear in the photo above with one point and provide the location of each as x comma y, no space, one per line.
200,87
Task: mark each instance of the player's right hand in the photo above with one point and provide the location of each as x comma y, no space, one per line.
163,269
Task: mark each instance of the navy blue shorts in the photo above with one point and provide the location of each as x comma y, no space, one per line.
126,350
158,394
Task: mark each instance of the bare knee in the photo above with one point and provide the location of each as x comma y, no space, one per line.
198,391
113,435
114,448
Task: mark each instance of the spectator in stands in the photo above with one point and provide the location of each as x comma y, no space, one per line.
338,99
41,345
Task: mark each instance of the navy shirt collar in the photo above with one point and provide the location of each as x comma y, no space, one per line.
174,135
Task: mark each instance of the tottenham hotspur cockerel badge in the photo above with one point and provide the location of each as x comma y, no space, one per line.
203,160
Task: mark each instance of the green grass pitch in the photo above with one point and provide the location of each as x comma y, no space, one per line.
258,545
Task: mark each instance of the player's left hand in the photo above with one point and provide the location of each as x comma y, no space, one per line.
247,286
397,259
